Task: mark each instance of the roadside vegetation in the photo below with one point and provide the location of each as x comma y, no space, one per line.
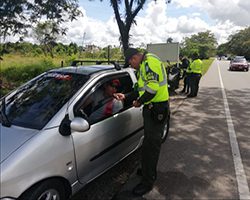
206,64
50,53
21,61
238,44
17,69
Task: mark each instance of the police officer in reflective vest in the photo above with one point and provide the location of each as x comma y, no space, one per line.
195,76
185,66
153,95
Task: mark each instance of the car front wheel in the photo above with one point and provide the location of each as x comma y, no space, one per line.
46,190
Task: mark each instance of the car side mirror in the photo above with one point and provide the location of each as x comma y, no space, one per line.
79,124
64,128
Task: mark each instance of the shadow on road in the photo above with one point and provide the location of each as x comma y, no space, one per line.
177,184
196,160
198,146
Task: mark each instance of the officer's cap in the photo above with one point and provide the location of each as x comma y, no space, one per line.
129,53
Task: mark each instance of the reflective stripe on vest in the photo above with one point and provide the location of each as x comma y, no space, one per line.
165,81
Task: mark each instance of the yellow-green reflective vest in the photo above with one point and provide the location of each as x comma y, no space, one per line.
196,66
152,77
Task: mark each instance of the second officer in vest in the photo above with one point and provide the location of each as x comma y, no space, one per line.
195,75
152,90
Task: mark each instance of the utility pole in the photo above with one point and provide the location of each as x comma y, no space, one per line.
108,54
83,38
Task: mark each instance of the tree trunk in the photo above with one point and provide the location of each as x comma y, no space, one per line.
124,26
125,39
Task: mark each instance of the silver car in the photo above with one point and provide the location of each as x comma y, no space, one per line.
52,142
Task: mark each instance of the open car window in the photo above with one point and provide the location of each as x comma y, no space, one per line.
98,103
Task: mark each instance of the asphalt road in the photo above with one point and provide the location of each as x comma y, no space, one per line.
207,154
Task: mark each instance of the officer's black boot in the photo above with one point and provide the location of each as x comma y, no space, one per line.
142,189
139,172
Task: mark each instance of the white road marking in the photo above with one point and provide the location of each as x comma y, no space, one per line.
243,188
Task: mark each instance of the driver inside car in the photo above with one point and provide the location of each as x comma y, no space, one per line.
104,104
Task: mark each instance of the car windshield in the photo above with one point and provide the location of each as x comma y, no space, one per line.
34,104
239,60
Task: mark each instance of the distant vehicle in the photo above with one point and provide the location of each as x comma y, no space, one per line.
239,63
237,57
54,140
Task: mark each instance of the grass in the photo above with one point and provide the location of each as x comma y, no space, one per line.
206,65
16,69
16,60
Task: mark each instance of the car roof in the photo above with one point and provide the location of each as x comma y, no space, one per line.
85,70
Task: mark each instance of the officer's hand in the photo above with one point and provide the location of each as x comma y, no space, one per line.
136,104
119,96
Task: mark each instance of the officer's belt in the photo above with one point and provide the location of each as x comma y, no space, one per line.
151,105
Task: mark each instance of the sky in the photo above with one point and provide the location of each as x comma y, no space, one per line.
158,21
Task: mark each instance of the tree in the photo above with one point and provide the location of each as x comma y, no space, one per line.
239,43
169,40
73,49
18,15
46,33
132,8
222,49
204,43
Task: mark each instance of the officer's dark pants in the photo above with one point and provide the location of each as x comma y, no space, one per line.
186,83
151,146
194,84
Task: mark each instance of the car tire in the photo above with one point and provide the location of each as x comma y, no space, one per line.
166,130
49,190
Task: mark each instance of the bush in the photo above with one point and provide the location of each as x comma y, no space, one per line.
69,60
27,72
